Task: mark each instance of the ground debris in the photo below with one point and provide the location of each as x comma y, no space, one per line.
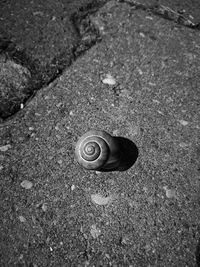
5,148
109,80
170,193
27,184
95,232
164,12
100,200
22,219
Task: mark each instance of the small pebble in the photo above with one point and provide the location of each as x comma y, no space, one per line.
5,148
170,193
109,80
156,101
72,187
140,71
184,145
44,207
22,219
100,200
57,127
152,84
142,34
38,13
148,17
60,161
183,122
31,128
116,132
26,184
95,232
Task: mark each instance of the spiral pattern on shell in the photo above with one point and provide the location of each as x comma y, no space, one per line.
92,150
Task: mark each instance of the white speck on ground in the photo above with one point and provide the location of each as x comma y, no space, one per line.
142,35
109,80
57,128
184,145
170,193
44,207
139,71
72,187
156,101
5,148
100,200
148,17
27,184
183,122
31,128
22,219
95,232
60,161
116,132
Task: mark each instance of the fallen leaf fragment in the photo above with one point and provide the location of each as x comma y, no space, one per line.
100,200
5,148
109,80
26,184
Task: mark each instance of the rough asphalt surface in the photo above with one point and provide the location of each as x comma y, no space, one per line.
55,213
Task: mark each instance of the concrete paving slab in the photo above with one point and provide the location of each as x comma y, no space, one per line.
45,37
42,28
50,213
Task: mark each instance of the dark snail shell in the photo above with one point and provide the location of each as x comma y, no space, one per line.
97,150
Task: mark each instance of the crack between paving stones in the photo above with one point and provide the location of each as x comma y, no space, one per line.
87,32
164,12
89,35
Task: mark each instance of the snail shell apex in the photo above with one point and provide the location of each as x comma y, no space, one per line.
97,150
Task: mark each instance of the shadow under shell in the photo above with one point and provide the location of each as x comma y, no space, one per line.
128,154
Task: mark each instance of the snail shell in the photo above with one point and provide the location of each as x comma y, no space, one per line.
97,150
